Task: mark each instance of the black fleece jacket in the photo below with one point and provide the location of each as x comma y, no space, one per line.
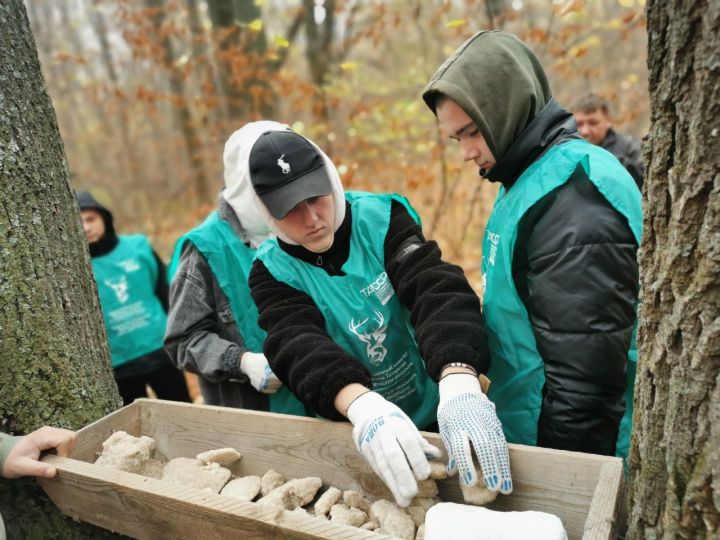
575,269
444,310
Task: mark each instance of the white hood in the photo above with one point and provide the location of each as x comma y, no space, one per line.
241,196
238,191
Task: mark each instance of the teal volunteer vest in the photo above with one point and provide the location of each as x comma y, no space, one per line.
134,317
230,261
517,370
362,312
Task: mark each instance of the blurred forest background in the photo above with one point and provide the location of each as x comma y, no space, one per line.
147,91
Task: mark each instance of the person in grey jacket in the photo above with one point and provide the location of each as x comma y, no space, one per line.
212,328
592,114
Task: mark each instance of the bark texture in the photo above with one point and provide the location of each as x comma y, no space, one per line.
54,359
674,479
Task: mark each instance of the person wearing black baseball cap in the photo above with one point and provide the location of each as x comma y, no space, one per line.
286,169
362,315
133,296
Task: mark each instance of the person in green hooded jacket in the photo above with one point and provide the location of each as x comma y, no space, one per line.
559,265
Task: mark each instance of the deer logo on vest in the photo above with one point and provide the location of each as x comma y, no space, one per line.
284,165
374,339
120,288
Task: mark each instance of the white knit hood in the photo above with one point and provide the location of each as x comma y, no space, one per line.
241,196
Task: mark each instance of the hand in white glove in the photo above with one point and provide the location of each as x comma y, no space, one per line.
466,415
256,367
391,444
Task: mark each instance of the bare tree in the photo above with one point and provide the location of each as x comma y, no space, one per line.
675,454
191,138
125,155
243,88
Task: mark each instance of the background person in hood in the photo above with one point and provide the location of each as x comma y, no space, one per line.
363,318
592,114
559,253
212,327
133,293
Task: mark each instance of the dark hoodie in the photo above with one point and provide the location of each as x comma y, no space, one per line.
105,245
570,233
109,240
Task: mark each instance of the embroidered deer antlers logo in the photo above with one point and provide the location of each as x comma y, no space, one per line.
120,288
284,165
374,339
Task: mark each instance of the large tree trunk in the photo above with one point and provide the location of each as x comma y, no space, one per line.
675,454
54,360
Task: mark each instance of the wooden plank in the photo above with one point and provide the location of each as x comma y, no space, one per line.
294,446
602,520
554,481
558,482
91,437
147,508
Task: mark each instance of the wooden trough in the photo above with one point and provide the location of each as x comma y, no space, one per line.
583,490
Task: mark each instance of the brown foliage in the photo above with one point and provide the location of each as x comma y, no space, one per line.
145,137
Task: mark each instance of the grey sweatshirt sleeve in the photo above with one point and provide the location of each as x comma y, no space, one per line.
7,443
201,335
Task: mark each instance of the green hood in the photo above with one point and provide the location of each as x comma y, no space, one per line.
497,81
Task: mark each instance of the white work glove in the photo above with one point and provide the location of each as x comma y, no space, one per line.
466,415
391,444
256,367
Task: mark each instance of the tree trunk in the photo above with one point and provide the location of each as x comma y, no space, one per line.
54,359
245,91
124,151
674,489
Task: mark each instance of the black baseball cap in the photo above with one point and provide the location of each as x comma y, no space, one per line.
286,169
86,201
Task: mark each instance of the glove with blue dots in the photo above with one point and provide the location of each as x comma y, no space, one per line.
465,416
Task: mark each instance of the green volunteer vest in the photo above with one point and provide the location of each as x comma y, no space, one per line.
363,315
517,370
134,317
230,261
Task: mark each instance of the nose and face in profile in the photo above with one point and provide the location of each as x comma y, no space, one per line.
93,225
311,223
592,126
460,127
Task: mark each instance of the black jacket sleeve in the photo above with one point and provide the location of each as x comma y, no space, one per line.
633,161
575,268
162,289
445,311
298,348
